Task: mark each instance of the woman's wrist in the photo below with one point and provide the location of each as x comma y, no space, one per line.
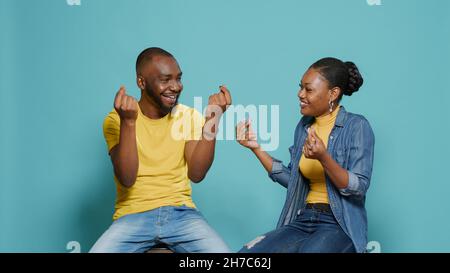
323,159
256,149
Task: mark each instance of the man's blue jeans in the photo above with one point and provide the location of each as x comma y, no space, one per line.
312,231
182,229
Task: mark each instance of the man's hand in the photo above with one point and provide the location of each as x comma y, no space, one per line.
218,103
126,106
314,148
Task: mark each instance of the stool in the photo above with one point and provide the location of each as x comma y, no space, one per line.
159,248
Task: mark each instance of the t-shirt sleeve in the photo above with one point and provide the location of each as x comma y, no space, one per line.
111,130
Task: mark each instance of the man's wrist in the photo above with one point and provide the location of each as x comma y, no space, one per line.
215,116
128,122
208,135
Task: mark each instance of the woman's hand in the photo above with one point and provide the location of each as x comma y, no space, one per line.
245,135
314,148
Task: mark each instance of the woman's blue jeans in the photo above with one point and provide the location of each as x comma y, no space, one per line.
312,232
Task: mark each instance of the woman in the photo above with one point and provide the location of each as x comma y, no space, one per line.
329,171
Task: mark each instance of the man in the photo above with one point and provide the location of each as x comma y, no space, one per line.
157,147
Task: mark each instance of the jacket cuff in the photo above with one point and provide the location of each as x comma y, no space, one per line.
352,186
277,167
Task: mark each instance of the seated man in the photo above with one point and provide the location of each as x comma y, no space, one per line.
157,147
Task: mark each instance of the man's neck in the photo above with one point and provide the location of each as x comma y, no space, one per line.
150,109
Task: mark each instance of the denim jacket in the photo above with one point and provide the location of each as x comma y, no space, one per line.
351,145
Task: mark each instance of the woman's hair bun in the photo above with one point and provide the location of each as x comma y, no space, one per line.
355,79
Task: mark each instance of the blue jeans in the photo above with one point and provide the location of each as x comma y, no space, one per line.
182,229
312,231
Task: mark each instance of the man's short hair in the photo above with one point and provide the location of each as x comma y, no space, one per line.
147,55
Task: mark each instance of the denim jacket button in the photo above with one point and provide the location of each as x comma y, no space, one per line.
299,211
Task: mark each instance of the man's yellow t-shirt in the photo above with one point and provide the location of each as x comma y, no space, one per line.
162,175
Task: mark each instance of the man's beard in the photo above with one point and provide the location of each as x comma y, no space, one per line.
157,99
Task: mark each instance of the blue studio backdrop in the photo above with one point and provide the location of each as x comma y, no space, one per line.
63,60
